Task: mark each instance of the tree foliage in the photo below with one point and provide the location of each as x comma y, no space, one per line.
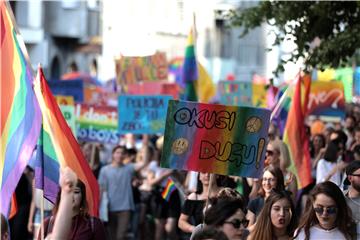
326,33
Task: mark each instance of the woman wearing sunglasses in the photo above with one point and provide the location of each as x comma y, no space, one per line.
327,215
277,155
277,219
228,215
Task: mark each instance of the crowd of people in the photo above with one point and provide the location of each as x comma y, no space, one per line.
204,205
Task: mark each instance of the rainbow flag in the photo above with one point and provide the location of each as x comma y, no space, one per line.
60,148
196,80
20,113
169,189
295,133
190,70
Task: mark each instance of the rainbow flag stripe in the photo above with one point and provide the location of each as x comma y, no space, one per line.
295,133
61,147
190,70
169,189
20,114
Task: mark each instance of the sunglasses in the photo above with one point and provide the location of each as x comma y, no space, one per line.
329,210
269,152
236,223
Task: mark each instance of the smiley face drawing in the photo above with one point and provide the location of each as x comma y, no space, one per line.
253,124
180,146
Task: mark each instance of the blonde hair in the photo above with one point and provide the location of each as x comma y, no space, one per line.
283,150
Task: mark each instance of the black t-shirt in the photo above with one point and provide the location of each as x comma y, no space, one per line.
256,205
194,209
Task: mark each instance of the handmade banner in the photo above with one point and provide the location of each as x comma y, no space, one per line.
226,140
326,99
356,89
73,88
97,123
67,108
154,88
65,100
260,92
135,69
235,93
68,112
142,114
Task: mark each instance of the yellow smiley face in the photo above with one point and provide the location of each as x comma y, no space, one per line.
180,146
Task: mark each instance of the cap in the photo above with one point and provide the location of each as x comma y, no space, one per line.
352,167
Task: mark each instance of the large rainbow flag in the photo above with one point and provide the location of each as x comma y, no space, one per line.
197,82
295,133
190,70
20,114
60,147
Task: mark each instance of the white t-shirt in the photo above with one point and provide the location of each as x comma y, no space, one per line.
319,233
322,170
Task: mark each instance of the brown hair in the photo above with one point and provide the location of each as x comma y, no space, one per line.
263,227
344,220
83,203
279,176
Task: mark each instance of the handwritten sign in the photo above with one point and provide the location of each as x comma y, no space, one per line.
148,68
326,99
73,88
154,88
260,95
97,123
141,114
235,93
219,139
65,100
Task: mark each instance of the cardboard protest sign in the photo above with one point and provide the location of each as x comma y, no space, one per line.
356,89
326,99
97,123
259,92
227,140
135,69
154,88
73,88
142,114
235,93
65,100
67,107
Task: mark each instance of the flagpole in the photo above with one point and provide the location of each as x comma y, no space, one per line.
283,97
209,192
42,215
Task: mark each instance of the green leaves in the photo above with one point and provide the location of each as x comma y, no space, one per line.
326,33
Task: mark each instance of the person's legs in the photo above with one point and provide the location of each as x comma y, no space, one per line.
123,220
112,226
170,228
160,228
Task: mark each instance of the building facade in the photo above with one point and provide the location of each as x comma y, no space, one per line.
59,34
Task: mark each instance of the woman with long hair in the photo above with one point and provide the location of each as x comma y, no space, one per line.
328,168
327,215
278,155
192,210
83,226
272,178
277,219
